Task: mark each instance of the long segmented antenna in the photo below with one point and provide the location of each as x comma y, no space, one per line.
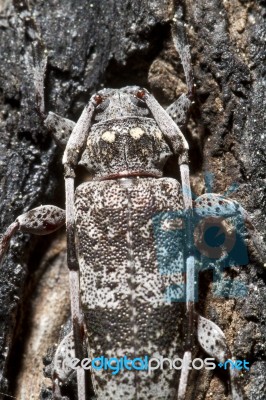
75,144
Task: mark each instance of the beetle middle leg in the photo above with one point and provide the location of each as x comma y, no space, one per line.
39,221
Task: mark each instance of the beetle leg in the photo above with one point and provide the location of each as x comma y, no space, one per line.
212,339
179,109
63,369
216,205
39,221
60,128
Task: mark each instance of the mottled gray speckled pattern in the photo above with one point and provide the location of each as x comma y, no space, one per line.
123,287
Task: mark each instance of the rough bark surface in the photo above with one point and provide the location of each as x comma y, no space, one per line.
95,44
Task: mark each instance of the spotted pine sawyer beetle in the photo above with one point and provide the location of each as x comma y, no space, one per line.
118,291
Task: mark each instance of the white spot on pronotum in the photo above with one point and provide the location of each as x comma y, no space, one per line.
136,133
108,136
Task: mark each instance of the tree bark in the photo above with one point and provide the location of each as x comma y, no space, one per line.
95,44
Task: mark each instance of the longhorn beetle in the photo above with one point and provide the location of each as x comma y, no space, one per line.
129,297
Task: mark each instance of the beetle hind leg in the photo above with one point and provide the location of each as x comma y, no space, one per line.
62,372
212,340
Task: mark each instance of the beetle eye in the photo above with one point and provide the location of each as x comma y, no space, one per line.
140,94
98,99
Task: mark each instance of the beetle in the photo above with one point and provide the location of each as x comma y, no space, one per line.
120,282
125,137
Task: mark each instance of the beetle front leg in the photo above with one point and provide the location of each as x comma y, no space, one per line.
60,128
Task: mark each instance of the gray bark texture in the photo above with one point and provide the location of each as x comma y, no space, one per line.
95,44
